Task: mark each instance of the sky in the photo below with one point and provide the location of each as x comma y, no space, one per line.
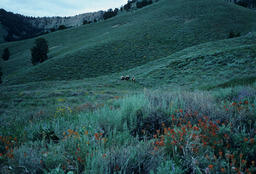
58,7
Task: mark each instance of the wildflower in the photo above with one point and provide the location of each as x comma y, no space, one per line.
86,132
246,102
104,155
96,135
234,103
181,111
117,167
241,155
245,139
210,166
243,161
252,140
158,131
1,154
222,170
70,131
220,153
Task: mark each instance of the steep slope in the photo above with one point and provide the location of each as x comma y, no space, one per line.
128,40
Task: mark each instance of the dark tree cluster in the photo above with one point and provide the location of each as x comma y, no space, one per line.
244,3
143,3
87,22
62,27
128,6
17,25
6,54
39,51
233,34
110,13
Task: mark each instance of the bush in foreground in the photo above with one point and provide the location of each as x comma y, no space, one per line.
195,132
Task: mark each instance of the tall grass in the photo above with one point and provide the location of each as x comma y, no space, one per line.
132,135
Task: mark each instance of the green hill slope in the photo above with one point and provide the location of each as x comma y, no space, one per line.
221,63
128,40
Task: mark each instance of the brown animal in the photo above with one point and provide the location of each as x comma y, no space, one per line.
127,77
122,78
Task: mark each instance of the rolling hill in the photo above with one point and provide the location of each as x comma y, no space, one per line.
193,99
128,40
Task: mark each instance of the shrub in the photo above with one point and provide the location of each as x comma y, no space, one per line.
110,13
1,75
128,6
62,27
233,34
39,51
53,29
6,54
242,3
143,3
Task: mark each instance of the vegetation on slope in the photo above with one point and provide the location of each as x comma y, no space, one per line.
104,125
137,37
154,132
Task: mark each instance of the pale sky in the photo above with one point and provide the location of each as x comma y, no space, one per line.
58,7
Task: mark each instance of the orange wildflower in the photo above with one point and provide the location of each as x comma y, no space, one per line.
210,166
253,163
252,140
245,139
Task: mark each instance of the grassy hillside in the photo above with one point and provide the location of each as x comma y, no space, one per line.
128,40
191,109
221,63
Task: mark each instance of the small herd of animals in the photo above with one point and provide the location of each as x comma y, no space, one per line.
127,78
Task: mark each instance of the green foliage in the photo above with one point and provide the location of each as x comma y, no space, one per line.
17,26
143,3
39,51
168,167
62,27
6,54
1,74
232,34
110,13
98,49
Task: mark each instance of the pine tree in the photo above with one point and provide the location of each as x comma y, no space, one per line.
6,54
39,51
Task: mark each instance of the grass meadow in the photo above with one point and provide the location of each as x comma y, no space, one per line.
192,108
